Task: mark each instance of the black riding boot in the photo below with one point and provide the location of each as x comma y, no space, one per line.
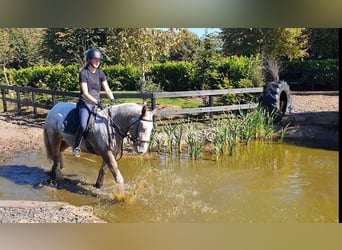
76,149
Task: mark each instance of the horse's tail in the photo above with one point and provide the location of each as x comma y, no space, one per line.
47,144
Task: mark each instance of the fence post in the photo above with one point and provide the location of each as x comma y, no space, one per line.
4,103
34,102
211,104
53,99
18,100
153,105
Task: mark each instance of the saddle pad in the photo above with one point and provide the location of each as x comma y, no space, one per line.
71,122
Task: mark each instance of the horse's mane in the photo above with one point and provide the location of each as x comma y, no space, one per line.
126,109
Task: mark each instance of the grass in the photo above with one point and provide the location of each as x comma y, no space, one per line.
165,102
180,102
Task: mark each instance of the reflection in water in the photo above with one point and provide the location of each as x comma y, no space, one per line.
262,182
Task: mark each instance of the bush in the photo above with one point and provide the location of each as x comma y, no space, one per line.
308,69
64,78
173,76
122,77
240,72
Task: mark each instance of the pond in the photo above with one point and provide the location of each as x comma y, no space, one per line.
261,183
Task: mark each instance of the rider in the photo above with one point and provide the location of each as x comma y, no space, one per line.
91,78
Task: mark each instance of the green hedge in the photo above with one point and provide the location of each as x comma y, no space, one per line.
309,70
231,72
57,77
173,76
122,77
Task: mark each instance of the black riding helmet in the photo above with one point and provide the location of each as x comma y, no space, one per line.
93,53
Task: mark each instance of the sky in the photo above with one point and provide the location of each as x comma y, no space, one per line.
200,31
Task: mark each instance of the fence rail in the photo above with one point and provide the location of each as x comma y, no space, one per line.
30,99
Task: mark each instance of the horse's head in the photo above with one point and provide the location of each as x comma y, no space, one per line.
140,130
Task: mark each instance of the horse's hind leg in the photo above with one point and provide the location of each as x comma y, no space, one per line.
102,173
56,172
63,147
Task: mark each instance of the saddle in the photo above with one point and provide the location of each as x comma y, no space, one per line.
71,123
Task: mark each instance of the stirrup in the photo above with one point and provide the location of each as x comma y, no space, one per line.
76,152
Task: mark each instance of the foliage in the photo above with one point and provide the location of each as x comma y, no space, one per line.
21,47
121,77
311,69
68,45
207,60
173,76
323,43
186,46
48,77
240,72
288,43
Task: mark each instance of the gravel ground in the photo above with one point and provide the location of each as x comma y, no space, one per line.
313,122
45,212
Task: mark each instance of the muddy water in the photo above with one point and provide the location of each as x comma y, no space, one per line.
266,183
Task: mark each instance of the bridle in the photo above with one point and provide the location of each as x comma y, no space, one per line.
115,127
136,139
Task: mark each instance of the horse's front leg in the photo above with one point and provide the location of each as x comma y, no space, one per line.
102,173
113,166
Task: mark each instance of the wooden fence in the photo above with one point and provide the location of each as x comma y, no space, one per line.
27,96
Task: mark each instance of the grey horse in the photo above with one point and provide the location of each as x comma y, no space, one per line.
104,138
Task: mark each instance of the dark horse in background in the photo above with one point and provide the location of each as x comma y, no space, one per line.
104,137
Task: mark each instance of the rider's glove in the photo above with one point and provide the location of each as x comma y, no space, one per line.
112,102
101,105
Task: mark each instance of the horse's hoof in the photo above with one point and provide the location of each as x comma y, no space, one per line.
119,180
97,185
60,182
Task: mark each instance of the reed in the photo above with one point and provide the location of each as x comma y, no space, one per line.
268,125
225,133
283,132
218,138
247,126
178,136
195,142
157,141
169,131
232,134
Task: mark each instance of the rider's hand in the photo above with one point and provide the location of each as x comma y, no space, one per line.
101,105
112,102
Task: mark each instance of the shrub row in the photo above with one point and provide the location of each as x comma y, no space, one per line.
231,72
310,70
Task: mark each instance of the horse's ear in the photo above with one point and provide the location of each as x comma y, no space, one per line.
154,111
144,109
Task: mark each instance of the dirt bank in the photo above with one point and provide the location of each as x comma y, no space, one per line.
314,121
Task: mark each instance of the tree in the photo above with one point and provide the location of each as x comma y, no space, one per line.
323,43
138,46
20,48
290,43
207,58
68,45
6,54
185,45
